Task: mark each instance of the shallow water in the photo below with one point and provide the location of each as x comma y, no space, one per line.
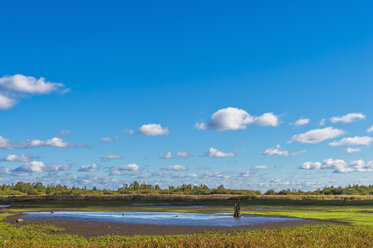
158,218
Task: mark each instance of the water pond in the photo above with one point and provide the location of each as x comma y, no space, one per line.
159,218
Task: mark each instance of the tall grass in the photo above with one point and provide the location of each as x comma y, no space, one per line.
304,236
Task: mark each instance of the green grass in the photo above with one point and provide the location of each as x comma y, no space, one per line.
357,232
304,236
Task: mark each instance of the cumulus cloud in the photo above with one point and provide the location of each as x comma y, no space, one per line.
369,130
216,175
318,135
6,102
111,156
5,143
235,119
153,130
167,155
213,152
89,168
311,165
130,167
353,141
17,158
302,121
183,154
276,151
352,150
348,118
38,167
134,168
175,167
53,142
27,84
19,86
190,175
361,166
280,152
339,166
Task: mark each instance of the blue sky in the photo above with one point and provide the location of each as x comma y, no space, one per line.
222,84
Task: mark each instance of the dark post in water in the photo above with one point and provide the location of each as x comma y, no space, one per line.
237,209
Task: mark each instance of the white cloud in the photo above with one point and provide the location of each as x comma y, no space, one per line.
339,166
353,141
280,152
318,135
31,85
369,130
360,166
302,121
235,119
167,155
33,166
38,166
153,130
260,167
213,152
267,119
190,175
19,86
111,156
6,102
17,158
130,167
276,151
6,143
352,150
311,165
348,118
175,167
53,142
183,154
89,168
216,175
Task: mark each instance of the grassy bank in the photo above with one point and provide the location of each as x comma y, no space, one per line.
357,232
304,236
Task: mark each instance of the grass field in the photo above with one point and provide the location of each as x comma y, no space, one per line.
356,232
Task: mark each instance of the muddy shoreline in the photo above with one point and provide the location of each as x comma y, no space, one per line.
94,228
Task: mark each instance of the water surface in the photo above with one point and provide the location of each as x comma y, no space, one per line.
159,218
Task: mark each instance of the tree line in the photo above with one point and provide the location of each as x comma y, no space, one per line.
25,188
